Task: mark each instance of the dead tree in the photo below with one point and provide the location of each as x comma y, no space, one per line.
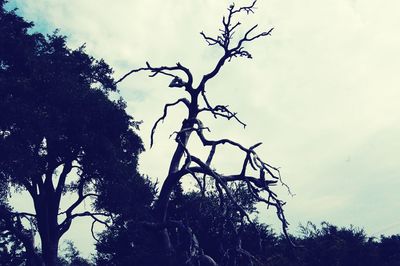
185,162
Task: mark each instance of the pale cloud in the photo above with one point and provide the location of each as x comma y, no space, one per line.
321,92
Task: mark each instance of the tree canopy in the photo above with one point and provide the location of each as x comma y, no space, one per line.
59,130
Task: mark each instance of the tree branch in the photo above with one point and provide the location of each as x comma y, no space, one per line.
61,180
219,110
183,100
64,226
165,71
224,40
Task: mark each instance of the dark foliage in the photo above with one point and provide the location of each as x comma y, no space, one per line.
127,239
215,230
11,248
331,245
59,130
213,227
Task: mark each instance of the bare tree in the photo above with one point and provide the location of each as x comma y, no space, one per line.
185,162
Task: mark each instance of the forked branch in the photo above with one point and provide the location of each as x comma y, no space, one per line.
225,38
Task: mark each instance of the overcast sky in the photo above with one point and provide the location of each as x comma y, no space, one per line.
321,93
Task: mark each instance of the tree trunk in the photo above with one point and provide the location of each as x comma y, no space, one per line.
163,202
50,252
169,184
46,213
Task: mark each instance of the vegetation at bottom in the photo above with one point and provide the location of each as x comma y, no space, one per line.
132,243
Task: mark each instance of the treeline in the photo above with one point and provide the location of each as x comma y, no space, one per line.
216,233
130,242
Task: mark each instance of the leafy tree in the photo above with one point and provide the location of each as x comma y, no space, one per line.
330,245
256,175
127,239
59,131
327,245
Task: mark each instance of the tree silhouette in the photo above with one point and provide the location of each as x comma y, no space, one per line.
389,250
328,244
256,175
59,132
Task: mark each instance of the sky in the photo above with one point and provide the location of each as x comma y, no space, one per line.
321,93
